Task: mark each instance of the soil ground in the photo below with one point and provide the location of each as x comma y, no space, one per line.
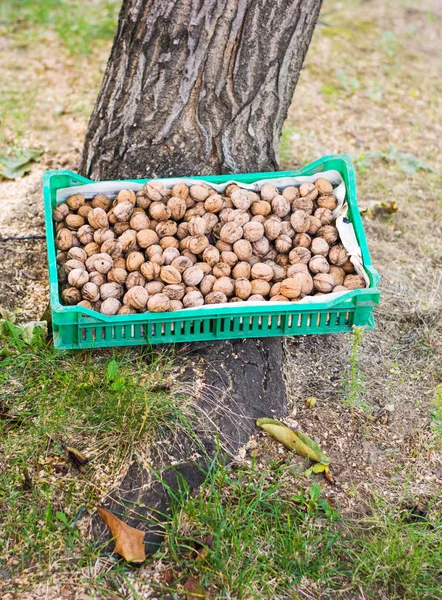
370,87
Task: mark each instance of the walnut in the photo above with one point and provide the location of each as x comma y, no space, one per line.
305,204
170,275
103,265
101,201
223,246
71,296
136,297
112,247
98,218
159,211
287,229
306,281
297,268
243,288
181,263
256,298
169,254
253,231
145,238
182,231
262,271
320,246
229,257
323,282
61,258
261,247
315,224
117,275
260,286
77,254
73,263
280,205
85,234
193,299
221,269
210,220
206,284
274,290
198,244
338,255
78,277
166,228
75,201
339,288
180,190
135,278
85,304
150,270
169,242
125,309
214,204
338,274
123,211
224,215
291,193
241,199
64,239
319,264
190,255
225,285
129,239
111,290
283,244
242,249
102,235
158,303
354,282
324,215
154,287
308,190
302,239
60,212
324,186
241,270
84,210
120,263
348,267
175,305
211,255
110,306
240,217
272,228
230,189
155,190
215,298
329,202
300,221
231,232
299,255
290,288
282,260
261,208
177,207
139,221
268,192
174,292
134,260
199,192
193,276
97,278
329,233
125,196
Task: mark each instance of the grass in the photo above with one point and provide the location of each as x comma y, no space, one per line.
353,378
254,533
79,25
106,407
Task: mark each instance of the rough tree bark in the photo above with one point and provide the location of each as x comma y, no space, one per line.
203,87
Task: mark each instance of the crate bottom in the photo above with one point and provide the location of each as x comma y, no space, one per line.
83,336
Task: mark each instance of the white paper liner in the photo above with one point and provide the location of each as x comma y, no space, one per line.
343,225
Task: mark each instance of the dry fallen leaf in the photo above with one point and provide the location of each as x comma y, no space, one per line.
300,443
194,589
128,540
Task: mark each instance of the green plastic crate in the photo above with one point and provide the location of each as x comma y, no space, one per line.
77,327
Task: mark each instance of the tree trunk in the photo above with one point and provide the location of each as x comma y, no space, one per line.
196,87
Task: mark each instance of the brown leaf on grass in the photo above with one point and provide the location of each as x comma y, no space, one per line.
78,459
329,476
128,540
194,589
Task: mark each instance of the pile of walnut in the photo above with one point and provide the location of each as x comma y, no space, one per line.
164,250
